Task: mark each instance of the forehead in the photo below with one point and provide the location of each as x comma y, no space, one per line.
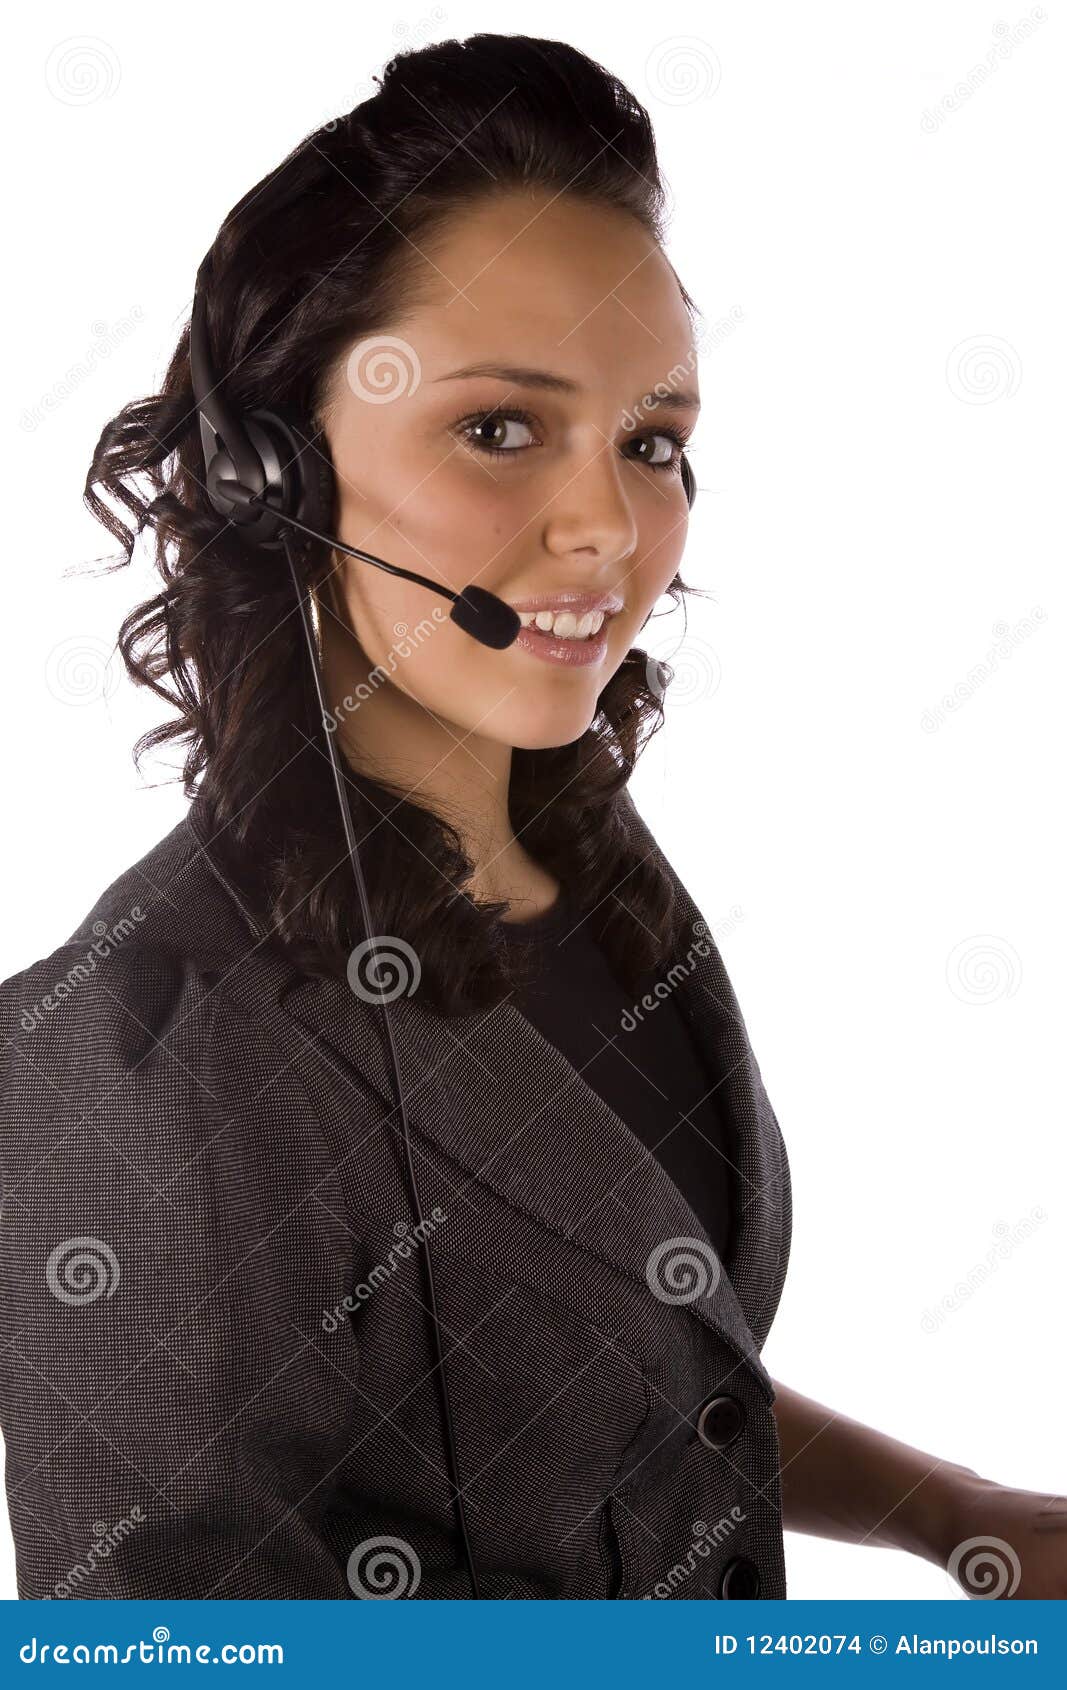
550,279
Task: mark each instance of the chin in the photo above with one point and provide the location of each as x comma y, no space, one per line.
551,728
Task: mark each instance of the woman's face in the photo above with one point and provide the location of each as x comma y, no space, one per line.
570,503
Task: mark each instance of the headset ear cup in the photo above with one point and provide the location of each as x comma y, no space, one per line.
317,482
688,480
326,484
298,472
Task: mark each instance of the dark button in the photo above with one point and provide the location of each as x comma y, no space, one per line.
720,1422
740,1579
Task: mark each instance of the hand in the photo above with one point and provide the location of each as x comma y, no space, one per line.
1003,1543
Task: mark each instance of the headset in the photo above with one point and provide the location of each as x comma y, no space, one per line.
268,472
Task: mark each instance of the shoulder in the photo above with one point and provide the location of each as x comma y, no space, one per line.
124,1017
132,951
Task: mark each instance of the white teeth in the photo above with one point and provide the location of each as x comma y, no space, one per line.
563,624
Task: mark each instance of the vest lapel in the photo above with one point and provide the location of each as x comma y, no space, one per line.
505,1105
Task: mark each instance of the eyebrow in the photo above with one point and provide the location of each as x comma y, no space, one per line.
523,375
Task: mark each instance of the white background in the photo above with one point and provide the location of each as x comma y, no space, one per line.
880,461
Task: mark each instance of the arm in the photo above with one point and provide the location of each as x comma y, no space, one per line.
896,1497
844,1480
171,1429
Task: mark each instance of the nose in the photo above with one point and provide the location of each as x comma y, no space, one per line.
592,514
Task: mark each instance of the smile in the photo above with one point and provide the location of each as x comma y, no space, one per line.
564,624
574,648
567,626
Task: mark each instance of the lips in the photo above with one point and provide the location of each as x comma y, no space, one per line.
570,651
578,603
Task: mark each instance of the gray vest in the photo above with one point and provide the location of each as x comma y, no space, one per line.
262,1371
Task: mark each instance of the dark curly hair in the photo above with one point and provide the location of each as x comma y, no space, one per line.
302,267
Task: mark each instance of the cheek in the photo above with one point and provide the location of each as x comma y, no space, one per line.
664,557
647,584
407,501
408,639
391,616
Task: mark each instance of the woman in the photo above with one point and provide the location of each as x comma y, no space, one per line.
282,1319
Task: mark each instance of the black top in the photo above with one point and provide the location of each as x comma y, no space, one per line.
654,1076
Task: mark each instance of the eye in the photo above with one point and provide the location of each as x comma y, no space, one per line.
495,423
676,444
490,432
